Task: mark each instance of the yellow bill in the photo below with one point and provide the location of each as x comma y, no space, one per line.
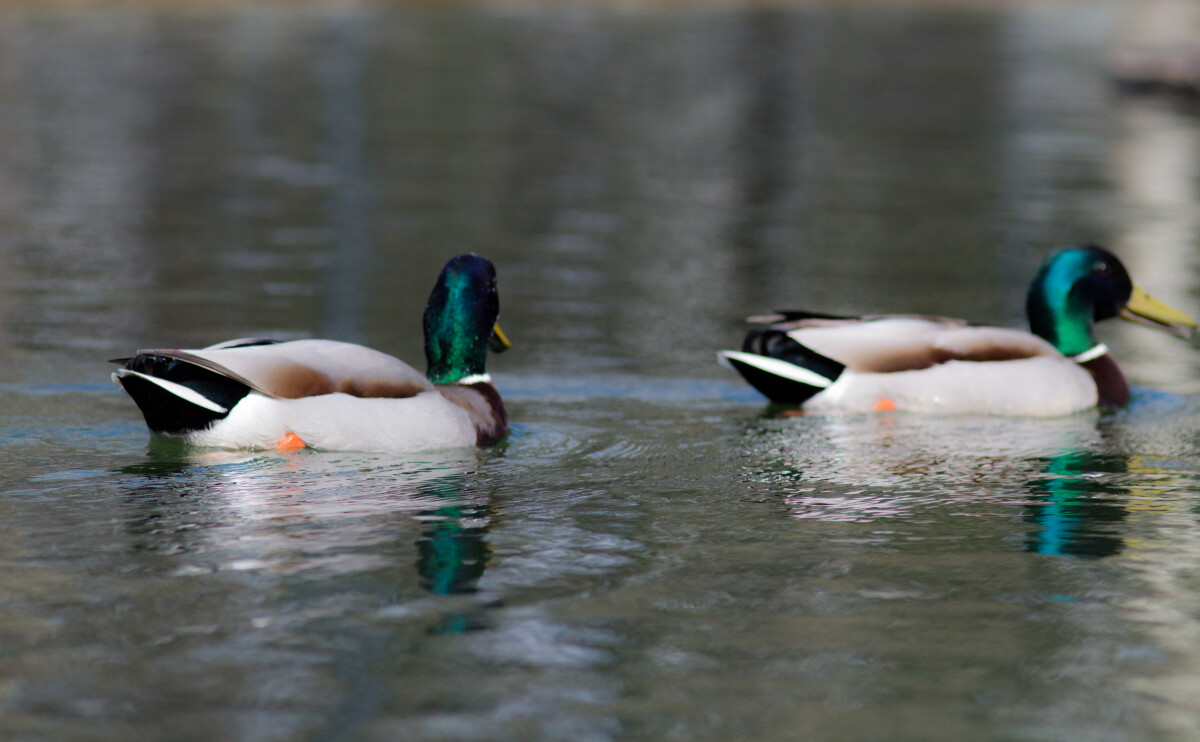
499,343
1146,310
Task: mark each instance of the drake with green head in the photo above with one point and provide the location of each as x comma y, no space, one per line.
460,321
936,364
325,394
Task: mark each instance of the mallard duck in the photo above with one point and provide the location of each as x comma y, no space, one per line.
941,365
261,394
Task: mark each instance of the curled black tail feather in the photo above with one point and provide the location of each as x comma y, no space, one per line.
813,373
777,344
168,413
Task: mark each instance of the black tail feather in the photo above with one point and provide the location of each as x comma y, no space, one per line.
777,345
168,413
775,388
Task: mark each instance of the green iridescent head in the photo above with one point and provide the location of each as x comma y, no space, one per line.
460,320
1079,286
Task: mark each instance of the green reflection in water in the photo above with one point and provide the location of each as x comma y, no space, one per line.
1076,512
452,554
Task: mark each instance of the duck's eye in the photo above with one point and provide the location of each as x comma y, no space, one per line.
1100,267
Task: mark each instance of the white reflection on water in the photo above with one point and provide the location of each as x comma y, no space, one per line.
925,456
325,514
1071,480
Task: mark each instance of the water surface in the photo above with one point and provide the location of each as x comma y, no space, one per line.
653,553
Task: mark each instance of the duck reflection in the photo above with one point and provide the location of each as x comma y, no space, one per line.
867,467
314,514
1076,492
453,552
1076,509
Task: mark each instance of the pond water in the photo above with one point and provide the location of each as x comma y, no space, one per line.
650,555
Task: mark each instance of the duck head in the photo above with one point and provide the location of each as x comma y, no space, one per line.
460,320
1079,286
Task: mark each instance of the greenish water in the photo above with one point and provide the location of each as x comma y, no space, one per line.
650,555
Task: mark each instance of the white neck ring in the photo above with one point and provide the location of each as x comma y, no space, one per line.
1091,353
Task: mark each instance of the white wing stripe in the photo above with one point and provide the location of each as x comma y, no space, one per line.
179,390
777,367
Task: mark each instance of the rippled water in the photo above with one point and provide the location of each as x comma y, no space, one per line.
653,553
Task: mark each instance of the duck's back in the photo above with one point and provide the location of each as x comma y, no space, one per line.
307,368
893,344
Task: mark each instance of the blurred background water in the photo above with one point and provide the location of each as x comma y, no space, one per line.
649,555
